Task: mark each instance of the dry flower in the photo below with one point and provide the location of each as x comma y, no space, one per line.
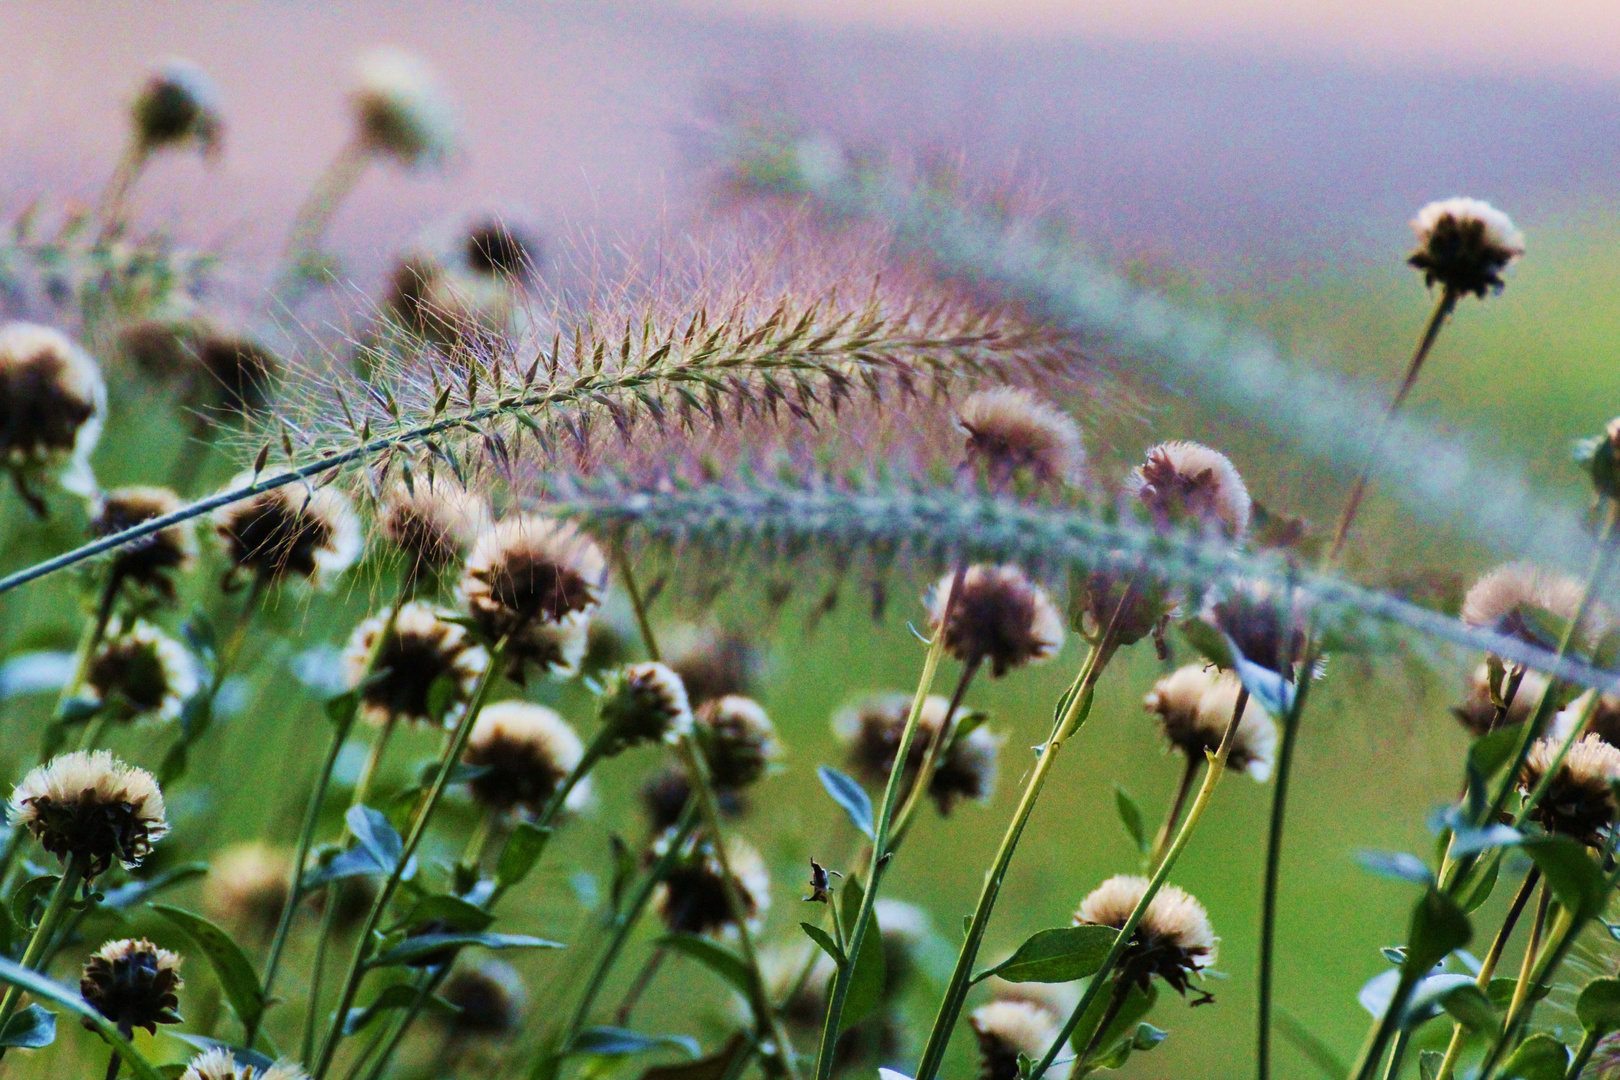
141,672
1266,627
738,740
493,247
1188,482
400,111
1531,604
221,1064
999,615
152,560
534,582
177,105
491,997
1579,800
1008,1028
289,530
1011,431
426,670
645,703
89,806
134,984
1464,245
1477,712
712,663
432,522
528,751
52,406
692,898
1194,704
1173,940
966,766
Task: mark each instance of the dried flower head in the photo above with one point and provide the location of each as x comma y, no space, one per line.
221,1064
1464,245
712,663
1174,939
999,615
88,805
663,796
432,522
177,105
1132,605
52,406
1010,432
1604,721
1526,602
738,740
526,578
1254,744
966,766
1579,801
493,247
1477,712
235,375
1187,482
134,984
399,110
141,672
906,932
151,560
491,997
246,886
1267,627
645,703
291,530
692,899
443,306
426,669
529,751
1007,1028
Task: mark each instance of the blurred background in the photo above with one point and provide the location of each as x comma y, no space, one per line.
1258,157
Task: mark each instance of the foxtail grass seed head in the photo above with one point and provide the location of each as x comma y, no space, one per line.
1011,432
1189,483
692,899
1477,712
178,106
1173,941
90,806
713,663
220,1064
1464,245
999,616
496,249
1579,801
528,577
1007,1028
246,887
134,984
426,669
1529,603
645,703
491,997
432,523
289,531
738,740
52,405
142,672
528,751
151,561
871,730
400,111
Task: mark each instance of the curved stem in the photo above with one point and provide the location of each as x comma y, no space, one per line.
638,603
309,226
930,762
61,896
1583,1054
1487,967
110,207
1273,877
1521,990
1182,791
649,970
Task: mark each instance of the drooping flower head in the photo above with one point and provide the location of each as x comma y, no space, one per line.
490,996
534,582
289,531
495,248
141,672
738,740
88,805
134,984
645,703
1529,603
966,766
1188,483
1009,1027
1464,245
528,751
152,560
1173,941
1477,712
426,662
692,898
432,523
52,406
1266,624
246,886
1579,801
999,616
399,110
178,105
1011,432
712,663
220,1064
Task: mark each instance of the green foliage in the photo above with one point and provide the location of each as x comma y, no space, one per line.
1056,956
235,972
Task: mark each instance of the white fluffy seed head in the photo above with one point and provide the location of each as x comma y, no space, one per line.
289,531
1010,431
142,672
1187,481
1464,245
529,750
1524,601
91,806
999,617
53,403
220,1064
424,648
400,110
1008,1027
1173,921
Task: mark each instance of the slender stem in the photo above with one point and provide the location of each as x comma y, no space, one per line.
1079,699
317,967
110,207
930,762
1487,967
114,1060
1521,990
1273,877
473,855
379,745
1583,1054
1182,791
1116,1002
649,970
61,896
1396,1053
429,984
1568,927
1127,932
362,948
333,185
638,603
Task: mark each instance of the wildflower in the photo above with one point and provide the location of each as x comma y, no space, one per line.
1187,481
432,522
1173,940
1011,431
151,560
965,768
426,670
738,740
528,751
998,615
52,405
1579,801
491,999
134,984
664,795
533,582
1464,245
289,530
220,1064
1130,606
495,249
1604,721
1531,604
692,898
645,703
142,672
178,105
1267,628
247,886
443,307
1601,456
235,375
91,807
399,109
1478,711
1007,1028
1254,744
712,663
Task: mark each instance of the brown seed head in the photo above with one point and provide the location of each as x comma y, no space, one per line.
1477,712
1579,801
1133,604
1464,245
692,899
141,672
645,703
966,767
432,523
152,560
491,997
52,403
526,578
1526,602
1007,1028
529,751
713,663
1267,627
89,805
134,984
492,247
1174,939
1254,744
235,375
399,111
246,886
1011,432
1187,482
738,740
177,106
422,650
999,616
289,531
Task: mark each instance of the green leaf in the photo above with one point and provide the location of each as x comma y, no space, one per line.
51,990
825,940
1429,1062
1540,1057
714,956
397,996
136,892
617,1042
1490,752
30,1029
452,911
1501,991
372,829
849,795
341,710
1147,1037
1481,883
1598,1007
1208,641
714,1067
414,948
1130,815
1396,865
440,696
1471,1008
1055,956
1575,879
1438,926
27,895
231,965
1138,1003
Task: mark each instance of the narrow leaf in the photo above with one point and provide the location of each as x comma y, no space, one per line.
714,956
414,948
850,795
825,940
231,965
1130,815
617,1042
520,854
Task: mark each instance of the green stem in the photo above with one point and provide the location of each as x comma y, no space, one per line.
930,762
1521,989
1487,967
1273,875
1127,932
1079,698
429,984
61,896
110,207
1116,1002
1583,1054
649,970
638,603
333,185
1182,791
1396,1053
